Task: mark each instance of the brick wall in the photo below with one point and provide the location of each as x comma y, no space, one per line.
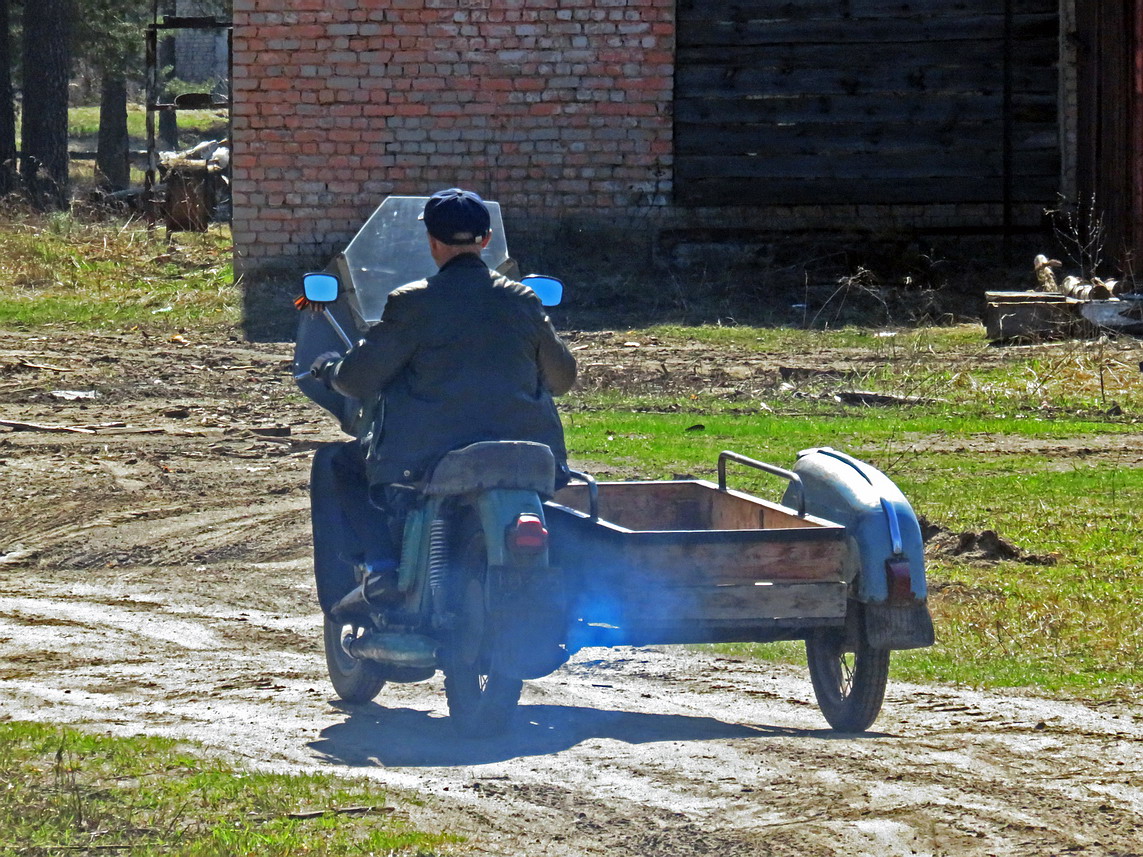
552,107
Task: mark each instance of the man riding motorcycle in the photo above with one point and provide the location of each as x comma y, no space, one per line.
466,355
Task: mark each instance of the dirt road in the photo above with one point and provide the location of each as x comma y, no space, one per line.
154,578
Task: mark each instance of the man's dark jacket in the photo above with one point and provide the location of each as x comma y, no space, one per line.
464,356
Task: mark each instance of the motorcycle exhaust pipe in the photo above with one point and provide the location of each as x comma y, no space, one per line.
397,650
365,598
356,603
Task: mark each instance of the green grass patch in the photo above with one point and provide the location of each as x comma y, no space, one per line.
194,125
67,791
787,340
63,269
952,371
904,445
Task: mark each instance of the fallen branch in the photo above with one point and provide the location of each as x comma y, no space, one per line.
864,397
88,847
21,426
349,810
85,428
44,366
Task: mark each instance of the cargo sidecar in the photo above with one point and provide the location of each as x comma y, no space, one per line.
838,563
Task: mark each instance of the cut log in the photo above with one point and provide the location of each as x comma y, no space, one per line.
1085,290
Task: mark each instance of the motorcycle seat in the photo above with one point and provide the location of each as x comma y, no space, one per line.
512,464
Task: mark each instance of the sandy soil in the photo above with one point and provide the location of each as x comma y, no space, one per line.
154,577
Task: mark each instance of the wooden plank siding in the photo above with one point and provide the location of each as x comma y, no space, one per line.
1110,117
1135,230
866,101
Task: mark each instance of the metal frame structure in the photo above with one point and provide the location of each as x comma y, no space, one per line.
191,101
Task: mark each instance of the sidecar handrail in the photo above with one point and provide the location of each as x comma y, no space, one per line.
794,479
592,492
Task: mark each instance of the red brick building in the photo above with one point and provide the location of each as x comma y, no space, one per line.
631,130
549,106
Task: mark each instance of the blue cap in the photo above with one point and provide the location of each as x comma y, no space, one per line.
456,216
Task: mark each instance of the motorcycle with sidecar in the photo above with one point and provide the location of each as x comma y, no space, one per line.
504,571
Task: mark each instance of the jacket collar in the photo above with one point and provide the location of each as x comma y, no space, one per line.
465,260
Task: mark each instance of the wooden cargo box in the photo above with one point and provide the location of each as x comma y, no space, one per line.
685,562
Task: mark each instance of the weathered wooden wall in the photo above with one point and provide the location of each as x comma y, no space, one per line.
1109,172
866,101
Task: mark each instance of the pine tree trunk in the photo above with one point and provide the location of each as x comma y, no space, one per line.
47,65
111,159
168,120
8,177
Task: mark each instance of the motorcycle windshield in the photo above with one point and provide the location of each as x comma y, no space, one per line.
392,249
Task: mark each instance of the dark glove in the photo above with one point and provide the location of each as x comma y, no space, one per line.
323,365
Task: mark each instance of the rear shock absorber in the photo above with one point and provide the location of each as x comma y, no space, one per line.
438,570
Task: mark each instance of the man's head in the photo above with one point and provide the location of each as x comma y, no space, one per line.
458,218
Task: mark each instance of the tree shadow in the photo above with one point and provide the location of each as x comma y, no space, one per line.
403,737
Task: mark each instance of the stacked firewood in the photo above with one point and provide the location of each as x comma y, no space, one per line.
1084,289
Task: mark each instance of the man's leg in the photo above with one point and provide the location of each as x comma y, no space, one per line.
347,529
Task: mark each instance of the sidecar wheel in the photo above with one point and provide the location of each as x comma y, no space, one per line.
849,685
354,680
480,700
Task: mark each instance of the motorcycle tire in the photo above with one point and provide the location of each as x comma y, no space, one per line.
481,701
849,685
354,680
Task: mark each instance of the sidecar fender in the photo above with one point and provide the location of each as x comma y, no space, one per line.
885,536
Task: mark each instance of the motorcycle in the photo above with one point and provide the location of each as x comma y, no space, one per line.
474,593
501,576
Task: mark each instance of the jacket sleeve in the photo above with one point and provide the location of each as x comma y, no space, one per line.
375,361
557,363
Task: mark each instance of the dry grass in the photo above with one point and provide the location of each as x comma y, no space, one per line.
72,267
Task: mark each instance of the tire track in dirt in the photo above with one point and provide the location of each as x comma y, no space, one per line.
649,751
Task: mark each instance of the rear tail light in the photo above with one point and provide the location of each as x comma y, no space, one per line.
899,578
527,535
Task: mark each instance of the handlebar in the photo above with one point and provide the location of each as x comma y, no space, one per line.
341,334
794,479
337,328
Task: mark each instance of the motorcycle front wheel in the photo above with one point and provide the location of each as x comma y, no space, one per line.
354,680
480,700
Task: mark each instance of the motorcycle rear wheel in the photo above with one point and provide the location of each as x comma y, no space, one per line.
481,700
354,680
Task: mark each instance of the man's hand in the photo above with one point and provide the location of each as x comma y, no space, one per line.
322,367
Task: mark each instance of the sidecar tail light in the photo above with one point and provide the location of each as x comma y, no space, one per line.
899,578
527,535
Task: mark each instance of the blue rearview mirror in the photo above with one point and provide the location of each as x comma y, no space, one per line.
320,288
549,290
